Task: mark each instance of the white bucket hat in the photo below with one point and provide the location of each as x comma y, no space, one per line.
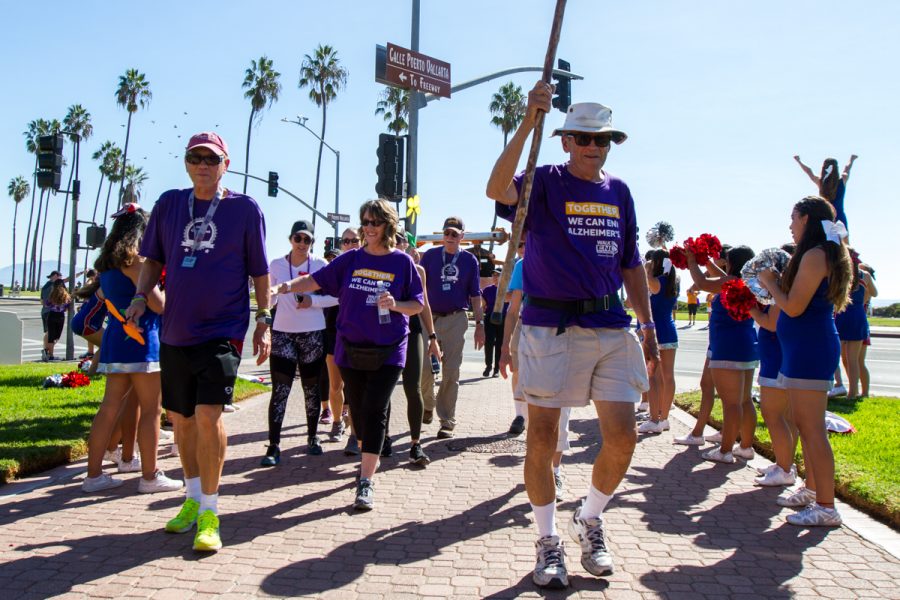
590,117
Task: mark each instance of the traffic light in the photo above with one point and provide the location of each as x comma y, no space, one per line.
390,167
563,97
329,243
50,160
273,184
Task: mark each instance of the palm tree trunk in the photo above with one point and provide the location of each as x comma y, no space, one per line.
43,235
319,162
247,159
94,216
124,161
106,210
12,278
25,281
62,228
37,228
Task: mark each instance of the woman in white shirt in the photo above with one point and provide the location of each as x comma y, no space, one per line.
298,341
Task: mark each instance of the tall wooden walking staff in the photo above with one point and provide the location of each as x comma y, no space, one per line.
525,190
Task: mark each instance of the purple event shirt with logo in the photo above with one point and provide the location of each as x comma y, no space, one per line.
352,278
211,300
460,282
580,235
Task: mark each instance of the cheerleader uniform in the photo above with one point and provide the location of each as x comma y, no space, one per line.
732,344
90,316
118,352
810,348
852,324
661,307
769,357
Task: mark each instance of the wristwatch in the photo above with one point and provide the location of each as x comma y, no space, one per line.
266,319
432,336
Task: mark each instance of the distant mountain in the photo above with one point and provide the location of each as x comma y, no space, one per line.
49,267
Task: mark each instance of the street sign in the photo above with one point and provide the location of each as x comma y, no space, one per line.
412,70
338,217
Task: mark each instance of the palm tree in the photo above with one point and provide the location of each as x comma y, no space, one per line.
78,122
133,92
113,166
394,105
261,82
507,111
325,77
36,129
18,189
31,134
135,177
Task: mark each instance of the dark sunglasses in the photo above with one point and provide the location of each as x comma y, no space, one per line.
301,239
348,241
210,160
584,139
372,223
451,233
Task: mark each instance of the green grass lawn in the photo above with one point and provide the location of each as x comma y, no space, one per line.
867,463
43,428
884,322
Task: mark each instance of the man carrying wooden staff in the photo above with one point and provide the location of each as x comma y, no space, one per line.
576,345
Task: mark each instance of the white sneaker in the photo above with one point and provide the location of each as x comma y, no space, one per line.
165,435
689,440
643,407
714,438
652,427
159,483
815,515
113,456
100,483
796,497
550,568
837,390
772,467
775,477
745,453
228,408
715,455
132,466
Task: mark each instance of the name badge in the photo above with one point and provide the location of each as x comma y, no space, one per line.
189,262
446,287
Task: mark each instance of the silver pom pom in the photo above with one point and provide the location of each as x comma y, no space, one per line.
660,234
770,258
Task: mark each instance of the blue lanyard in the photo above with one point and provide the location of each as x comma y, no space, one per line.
200,231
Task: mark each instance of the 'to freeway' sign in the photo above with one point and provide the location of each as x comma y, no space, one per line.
412,70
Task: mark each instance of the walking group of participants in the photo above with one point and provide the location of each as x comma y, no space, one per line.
358,319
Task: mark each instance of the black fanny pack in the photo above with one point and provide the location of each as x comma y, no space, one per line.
367,357
574,308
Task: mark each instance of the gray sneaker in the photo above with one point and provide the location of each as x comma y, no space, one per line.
815,515
595,556
560,487
365,495
550,569
159,483
102,482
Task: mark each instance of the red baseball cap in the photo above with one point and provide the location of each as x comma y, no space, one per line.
208,139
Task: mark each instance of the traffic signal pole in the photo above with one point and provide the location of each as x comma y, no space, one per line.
73,253
289,193
412,164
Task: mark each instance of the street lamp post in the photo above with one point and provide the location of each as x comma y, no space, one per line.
301,121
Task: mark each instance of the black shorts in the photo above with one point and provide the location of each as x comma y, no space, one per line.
56,321
44,320
330,341
200,374
692,309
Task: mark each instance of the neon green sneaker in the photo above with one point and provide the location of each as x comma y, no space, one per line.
186,517
207,538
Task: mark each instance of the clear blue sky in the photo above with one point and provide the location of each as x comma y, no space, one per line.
716,98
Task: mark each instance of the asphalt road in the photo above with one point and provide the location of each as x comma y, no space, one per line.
883,357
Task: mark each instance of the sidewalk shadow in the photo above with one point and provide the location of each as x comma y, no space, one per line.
404,544
578,585
94,557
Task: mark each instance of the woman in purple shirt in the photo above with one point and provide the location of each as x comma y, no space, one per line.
378,289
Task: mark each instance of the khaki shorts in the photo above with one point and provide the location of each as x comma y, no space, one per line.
605,365
514,346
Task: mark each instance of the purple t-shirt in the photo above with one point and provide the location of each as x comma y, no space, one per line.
211,300
580,235
352,278
490,296
450,284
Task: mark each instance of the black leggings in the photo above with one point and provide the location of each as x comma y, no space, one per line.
290,351
369,395
493,339
412,385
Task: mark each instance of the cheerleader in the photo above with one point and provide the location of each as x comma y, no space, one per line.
816,283
853,326
734,355
663,284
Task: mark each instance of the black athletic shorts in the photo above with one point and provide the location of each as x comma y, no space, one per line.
56,322
44,319
692,309
200,374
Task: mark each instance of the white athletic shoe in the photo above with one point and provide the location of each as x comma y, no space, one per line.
715,455
100,483
159,483
815,515
745,453
689,440
132,466
653,426
796,497
837,390
714,438
775,477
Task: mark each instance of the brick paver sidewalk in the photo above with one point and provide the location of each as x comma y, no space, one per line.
679,527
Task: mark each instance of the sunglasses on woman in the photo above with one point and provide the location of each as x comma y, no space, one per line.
210,160
349,241
301,239
584,139
372,223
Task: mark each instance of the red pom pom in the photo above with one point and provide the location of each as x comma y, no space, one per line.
704,247
737,299
75,379
713,245
678,257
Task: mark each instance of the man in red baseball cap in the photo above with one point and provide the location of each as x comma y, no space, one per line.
210,239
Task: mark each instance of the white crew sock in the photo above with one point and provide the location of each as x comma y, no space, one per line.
545,519
521,409
556,469
594,504
209,502
192,487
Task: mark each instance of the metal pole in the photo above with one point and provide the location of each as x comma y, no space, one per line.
337,187
73,255
413,130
